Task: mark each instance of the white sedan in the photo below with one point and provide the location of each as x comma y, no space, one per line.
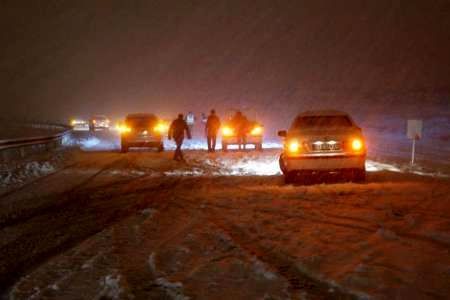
320,142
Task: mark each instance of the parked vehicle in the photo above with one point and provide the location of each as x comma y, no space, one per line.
240,131
79,125
142,130
323,142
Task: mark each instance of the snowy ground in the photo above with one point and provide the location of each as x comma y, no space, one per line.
139,225
387,151
15,173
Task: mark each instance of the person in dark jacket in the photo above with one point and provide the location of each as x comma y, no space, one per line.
241,124
212,127
176,131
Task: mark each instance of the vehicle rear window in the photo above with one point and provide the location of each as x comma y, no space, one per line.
141,121
321,121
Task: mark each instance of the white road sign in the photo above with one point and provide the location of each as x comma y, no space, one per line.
414,129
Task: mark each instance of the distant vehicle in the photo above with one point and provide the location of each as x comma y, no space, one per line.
79,125
252,133
323,142
99,122
142,130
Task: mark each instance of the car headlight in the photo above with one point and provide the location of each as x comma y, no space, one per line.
357,145
294,146
77,122
124,129
227,131
256,130
161,127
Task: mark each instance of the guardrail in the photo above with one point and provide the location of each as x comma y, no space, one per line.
21,147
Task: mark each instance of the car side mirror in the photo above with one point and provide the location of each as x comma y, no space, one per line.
282,133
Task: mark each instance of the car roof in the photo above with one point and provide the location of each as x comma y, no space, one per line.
325,112
140,115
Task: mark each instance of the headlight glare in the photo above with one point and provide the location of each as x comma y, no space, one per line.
256,130
161,127
227,131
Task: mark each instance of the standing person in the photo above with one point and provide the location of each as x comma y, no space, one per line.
241,124
190,120
176,131
204,118
212,127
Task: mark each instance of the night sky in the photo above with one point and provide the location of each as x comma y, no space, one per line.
67,58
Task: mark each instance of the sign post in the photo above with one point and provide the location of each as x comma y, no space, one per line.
414,132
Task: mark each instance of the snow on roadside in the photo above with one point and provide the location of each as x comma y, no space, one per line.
173,289
260,269
93,143
21,173
111,287
374,166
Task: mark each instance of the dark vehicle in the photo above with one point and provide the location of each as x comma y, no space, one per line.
323,142
142,130
240,131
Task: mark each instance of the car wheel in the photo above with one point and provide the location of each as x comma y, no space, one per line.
224,147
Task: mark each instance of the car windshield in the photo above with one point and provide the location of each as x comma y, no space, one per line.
141,121
321,122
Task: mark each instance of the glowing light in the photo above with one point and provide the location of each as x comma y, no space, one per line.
227,131
161,127
294,146
123,128
256,130
77,122
357,145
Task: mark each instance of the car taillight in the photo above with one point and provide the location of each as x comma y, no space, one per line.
294,146
357,145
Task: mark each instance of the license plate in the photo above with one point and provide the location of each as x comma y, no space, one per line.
326,147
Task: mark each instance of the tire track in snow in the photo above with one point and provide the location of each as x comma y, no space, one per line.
84,213
301,284
15,217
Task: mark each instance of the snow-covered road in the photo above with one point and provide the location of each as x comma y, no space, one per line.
222,226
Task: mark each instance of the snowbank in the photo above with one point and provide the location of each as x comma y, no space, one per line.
19,173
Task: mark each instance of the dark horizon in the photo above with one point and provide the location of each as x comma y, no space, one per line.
63,58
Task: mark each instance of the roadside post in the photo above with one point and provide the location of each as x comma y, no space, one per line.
414,132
